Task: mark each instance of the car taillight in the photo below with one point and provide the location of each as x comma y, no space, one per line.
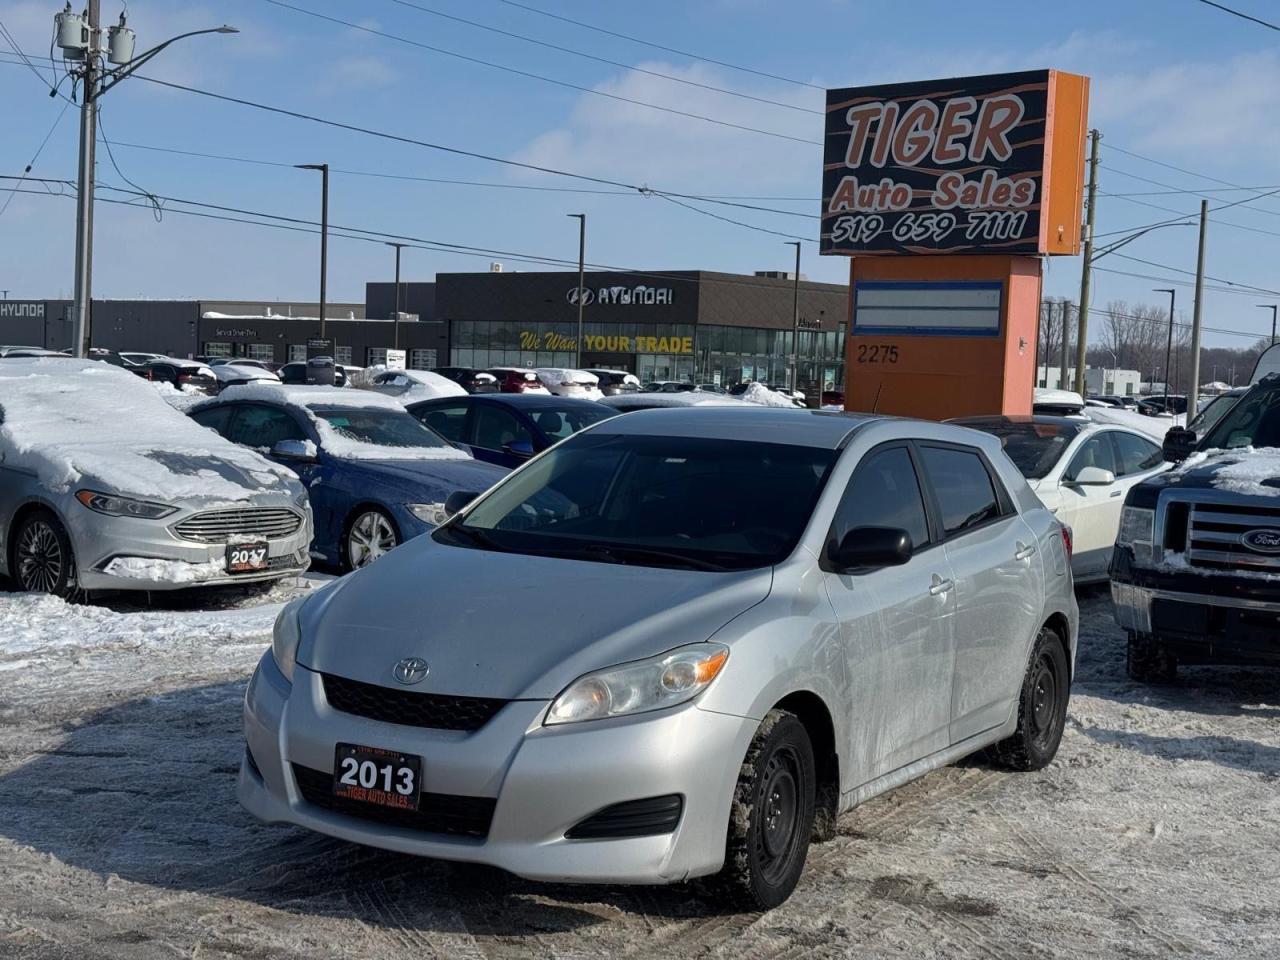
182,377
1066,541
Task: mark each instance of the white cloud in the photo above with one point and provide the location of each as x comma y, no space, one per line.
359,73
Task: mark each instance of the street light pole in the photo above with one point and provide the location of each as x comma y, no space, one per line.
396,325
1168,350
324,232
96,80
582,293
795,317
1272,307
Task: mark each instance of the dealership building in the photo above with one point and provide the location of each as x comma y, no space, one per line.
671,325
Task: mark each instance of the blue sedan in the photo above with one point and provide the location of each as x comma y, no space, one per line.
508,428
375,476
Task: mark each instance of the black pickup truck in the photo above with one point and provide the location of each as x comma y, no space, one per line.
1195,575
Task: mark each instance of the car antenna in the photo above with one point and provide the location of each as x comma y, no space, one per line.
876,404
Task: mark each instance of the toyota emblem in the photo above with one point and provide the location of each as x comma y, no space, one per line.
1262,540
411,670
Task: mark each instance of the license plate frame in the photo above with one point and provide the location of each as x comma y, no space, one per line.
251,557
389,769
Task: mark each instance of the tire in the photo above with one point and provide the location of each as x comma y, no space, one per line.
1042,708
370,533
43,559
771,818
1147,661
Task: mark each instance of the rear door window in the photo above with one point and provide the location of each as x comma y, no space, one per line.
965,492
1094,452
448,420
884,492
262,427
215,418
495,428
1135,454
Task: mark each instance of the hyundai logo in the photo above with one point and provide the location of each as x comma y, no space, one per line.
585,294
411,670
1262,541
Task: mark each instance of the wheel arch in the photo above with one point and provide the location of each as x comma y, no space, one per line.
26,509
1060,626
813,713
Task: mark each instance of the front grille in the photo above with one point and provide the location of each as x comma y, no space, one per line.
409,708
221,526
1215,534
453,815
634,818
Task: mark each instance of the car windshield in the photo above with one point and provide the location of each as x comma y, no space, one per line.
654,501
1254,421
1033,447
382,428
558,422
1210,415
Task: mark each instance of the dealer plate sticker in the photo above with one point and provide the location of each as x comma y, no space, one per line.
246,557
383,778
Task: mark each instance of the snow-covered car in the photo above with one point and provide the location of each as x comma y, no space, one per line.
1081,471
376,475
233,373
1195,577
517,380
613,382
651,401
104,486
414,385
565,382
677,644
1057,403
763,395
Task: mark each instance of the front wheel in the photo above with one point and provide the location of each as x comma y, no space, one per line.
369,535
771,819
43,561
1042,708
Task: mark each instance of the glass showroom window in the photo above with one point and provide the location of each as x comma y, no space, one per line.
264,352
377,356
297,351
422,359
342,355
217,349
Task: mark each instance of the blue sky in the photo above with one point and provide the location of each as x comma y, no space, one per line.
1173,80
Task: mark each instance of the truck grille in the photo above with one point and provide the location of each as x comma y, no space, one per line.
1215,536
220,526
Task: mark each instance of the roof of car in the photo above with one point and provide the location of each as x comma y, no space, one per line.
310,396
522,401
1044,419
805,428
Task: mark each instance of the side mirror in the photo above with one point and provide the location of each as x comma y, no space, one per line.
864,547
301,450
518,448
1094,477
1178,444
456,501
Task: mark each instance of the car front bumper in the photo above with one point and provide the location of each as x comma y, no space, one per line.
544,780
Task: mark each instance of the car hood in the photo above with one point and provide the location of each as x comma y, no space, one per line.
462,473
511,626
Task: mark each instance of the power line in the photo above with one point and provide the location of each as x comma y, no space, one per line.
659,46
34,157
605,60
1201,194
1241,288
738,223
1242,16
537,76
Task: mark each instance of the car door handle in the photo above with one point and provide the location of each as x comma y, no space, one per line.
940,585
1117,493
1024,552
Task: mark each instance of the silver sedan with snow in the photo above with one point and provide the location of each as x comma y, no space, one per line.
677,644
105,486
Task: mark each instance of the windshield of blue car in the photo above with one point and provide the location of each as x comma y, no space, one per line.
379,427
1034,447
653,501
1254,421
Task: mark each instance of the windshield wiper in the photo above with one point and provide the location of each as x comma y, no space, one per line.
477,537
620,553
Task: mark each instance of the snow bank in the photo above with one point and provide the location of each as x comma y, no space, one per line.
759,393
1154,427
428,385
77,422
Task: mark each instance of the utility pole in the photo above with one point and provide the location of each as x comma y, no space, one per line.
1263,306
1168,350
80,39
1086,275
324,231
396,324
795,318
1194,394
582,293
1063,368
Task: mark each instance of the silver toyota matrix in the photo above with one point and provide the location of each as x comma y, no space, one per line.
678,644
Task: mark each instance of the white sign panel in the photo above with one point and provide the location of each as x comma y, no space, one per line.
395,359
927,308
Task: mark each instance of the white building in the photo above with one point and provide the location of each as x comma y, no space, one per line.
1106,381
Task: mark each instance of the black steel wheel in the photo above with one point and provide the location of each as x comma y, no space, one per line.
771,820
43,561
1042,707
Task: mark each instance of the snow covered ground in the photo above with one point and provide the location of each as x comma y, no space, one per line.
1153,834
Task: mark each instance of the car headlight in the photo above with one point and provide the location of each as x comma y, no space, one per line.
432,513
114,506
663,681
285,637
1137,531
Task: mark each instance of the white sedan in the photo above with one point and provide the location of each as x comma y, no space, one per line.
1081,470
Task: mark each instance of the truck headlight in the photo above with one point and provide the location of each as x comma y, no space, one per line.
1137,532
666,680
432,513
285,637
114,506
